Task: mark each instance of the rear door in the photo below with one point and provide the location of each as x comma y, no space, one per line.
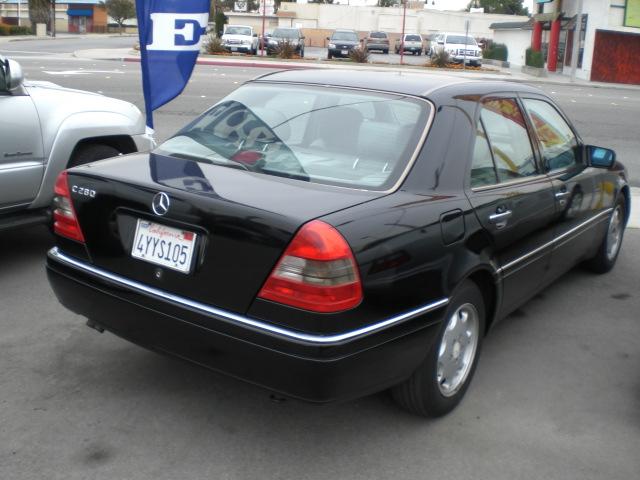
513,199
21,150
580,200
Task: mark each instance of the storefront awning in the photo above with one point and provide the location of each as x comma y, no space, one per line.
80,12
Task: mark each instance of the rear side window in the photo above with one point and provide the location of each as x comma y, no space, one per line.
557,140
483,171
506,130
316,134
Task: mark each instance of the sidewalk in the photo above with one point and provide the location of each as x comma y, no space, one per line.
62,36
498,73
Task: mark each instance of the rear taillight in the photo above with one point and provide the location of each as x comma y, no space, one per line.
317,272
65,222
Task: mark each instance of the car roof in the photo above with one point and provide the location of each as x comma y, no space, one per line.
343,30
416,84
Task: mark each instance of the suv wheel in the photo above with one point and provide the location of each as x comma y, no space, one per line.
92,152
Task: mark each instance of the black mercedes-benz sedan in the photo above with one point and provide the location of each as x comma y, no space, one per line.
327,235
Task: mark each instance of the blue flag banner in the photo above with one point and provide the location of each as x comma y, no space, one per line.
170,36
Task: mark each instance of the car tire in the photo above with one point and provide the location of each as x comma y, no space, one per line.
302,53
605,259
92,152
386,52
329,56
429,392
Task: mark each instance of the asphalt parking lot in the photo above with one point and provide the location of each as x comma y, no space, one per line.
556,395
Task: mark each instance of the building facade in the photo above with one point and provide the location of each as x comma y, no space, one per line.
607,32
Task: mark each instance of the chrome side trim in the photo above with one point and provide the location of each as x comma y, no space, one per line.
230,317
511,183
556,240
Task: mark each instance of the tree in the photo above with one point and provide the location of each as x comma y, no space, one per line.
508,7
120,11
39,11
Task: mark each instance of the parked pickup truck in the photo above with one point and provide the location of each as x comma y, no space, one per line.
240,38
45,128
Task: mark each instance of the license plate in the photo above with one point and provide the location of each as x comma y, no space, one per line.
234,49
345,52
165,246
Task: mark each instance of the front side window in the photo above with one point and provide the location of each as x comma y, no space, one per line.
507,133
557,140
316,134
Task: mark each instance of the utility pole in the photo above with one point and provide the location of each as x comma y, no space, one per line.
404,19
264,17
466,35
19,13
53,18
577,34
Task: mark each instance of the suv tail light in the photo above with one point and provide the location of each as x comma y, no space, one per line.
65,222
316,272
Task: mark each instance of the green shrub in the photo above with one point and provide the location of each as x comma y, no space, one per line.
440,58
6,30
359,55
534,59
285,49
496,51
213,45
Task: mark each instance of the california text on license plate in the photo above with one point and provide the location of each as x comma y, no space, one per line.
169,247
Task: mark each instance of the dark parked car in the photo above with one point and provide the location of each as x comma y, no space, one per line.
291,35
377,41
341,43
325,234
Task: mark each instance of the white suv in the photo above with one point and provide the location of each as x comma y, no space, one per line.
240,38
459,46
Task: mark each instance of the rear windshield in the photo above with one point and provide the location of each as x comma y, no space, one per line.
412,38
350,36
378,35
285,33
238,31
460,40
322,135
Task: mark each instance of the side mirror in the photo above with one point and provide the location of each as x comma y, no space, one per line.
302,37
440,42
255,35
13,76
328,38
600,157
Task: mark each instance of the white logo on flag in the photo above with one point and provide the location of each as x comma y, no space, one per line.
178,31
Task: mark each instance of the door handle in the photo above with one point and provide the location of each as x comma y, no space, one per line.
500,217
563,194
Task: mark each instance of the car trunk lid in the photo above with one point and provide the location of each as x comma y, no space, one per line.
242,221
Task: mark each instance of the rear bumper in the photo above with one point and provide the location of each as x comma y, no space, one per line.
312,367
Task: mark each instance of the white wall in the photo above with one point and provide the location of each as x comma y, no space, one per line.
390,19
517,42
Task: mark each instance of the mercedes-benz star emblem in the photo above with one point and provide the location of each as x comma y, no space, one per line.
160,204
